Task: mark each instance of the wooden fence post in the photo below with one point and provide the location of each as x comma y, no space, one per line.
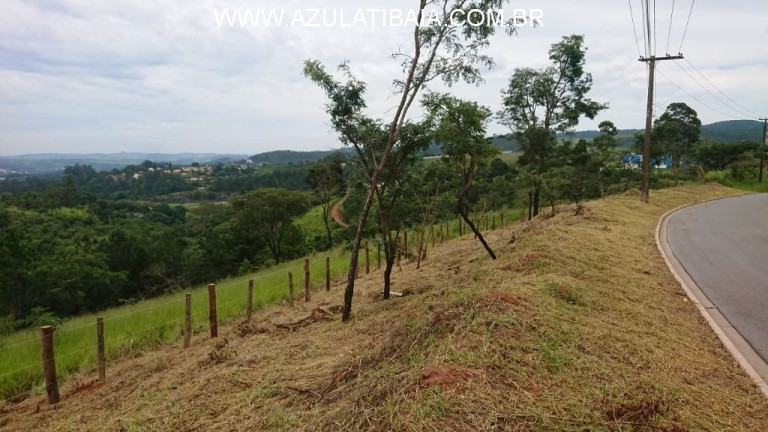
405,243
100,354
188,320
249,305
432,234
290,288
367,259
530,205
306,279
327,273
49,365
214,323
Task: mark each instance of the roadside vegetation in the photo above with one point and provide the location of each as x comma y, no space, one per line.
577,325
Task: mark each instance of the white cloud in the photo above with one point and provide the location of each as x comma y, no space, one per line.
152,75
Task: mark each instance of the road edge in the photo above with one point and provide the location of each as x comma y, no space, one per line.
740,349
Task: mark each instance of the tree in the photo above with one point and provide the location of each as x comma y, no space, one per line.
451,53
396,185
271,212
326,180
677,131
540,103
459,127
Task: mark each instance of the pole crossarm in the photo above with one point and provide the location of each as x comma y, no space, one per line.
666,57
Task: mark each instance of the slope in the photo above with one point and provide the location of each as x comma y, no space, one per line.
577,326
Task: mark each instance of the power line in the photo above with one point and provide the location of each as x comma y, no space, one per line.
686,26
648,25
655,50
710,92
669,32
695,98
632,15
642,26
720,91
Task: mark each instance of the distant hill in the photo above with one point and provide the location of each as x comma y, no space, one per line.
55,162
724,131
292,156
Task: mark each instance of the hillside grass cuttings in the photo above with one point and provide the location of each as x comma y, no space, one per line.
577,326
132,329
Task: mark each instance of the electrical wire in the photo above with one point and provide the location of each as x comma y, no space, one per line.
655,50
694,97
720,91
642,27
686,26
669,32
632,15
710,92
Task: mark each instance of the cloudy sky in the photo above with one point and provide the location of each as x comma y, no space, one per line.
161,76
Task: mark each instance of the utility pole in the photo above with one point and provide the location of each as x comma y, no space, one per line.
762,149
646,181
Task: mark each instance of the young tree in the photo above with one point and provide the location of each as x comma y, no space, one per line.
540,103
326,180
271,212
459,128
441,51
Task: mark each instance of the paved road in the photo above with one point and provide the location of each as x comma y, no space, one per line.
723,246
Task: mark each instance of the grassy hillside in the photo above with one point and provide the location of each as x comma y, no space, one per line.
131,329
577,326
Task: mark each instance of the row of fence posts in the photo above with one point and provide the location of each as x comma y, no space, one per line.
48,358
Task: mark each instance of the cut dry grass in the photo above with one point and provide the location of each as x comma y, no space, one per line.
577,326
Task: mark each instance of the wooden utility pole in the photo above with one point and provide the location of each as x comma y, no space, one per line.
646,181
762,149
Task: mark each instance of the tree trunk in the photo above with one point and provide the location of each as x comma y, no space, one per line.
536,201
327,227
390,263
478,234
349,291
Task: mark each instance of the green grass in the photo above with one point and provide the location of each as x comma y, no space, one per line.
133,328
747,185
509,158
312,222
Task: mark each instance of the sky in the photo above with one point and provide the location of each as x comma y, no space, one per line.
161,76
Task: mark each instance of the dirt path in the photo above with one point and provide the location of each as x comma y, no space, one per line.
336,214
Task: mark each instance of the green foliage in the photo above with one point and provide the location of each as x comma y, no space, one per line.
717,155
676,132
745,167
269,214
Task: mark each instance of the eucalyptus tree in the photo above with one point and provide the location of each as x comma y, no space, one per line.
446,47
539,103
459,127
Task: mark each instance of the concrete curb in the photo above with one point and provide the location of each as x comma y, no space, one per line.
754,365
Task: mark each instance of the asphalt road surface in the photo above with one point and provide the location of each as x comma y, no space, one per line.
723,246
